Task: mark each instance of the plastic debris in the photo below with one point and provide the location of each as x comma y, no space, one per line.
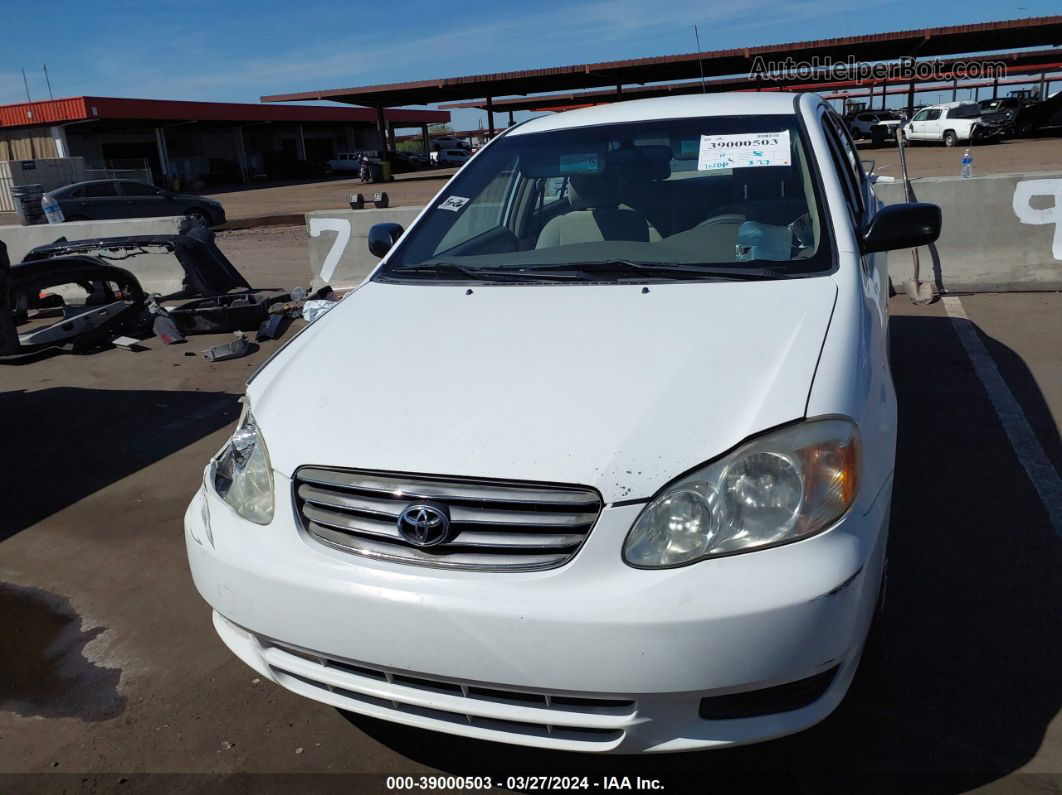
312,310
163,326
273,327
125,343
240,346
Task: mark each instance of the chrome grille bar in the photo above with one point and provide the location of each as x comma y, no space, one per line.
508,526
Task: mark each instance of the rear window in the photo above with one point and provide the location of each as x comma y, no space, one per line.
970,111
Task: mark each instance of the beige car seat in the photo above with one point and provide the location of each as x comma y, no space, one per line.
596,215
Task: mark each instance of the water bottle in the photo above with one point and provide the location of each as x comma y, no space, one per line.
967,165
52,211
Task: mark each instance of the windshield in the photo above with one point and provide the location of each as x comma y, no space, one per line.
670,198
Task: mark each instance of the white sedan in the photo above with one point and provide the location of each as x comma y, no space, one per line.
599,458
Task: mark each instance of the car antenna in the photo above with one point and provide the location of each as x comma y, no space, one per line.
700,63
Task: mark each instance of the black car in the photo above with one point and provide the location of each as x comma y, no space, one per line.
104,199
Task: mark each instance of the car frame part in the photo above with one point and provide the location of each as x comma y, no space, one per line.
116,310
206,270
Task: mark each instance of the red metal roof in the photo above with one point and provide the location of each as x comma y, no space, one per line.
923,43
57,111
1019,62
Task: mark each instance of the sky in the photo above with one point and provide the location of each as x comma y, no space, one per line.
237,51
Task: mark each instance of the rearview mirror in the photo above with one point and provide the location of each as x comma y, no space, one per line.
902,226
382,237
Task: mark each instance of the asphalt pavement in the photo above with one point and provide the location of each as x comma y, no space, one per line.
112,679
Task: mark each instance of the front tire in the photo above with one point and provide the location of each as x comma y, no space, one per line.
198,217
950,138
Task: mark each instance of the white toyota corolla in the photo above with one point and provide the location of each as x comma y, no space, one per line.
600,456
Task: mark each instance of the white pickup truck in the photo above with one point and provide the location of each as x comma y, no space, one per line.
950,123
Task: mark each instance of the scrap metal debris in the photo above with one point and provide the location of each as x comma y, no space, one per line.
236,349
91,301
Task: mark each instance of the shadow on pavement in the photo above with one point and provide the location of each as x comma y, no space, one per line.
966,678
62,444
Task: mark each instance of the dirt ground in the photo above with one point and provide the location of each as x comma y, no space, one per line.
269,256
297,198
934,160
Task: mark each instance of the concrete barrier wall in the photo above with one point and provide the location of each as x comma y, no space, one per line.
1001,232
20,239
339,252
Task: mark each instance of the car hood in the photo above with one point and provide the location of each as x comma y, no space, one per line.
618,387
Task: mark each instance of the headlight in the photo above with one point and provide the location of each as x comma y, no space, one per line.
242,474
781,487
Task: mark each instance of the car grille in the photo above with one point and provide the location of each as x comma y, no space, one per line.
596,723
508,526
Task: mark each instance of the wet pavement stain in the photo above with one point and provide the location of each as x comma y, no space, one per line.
43,671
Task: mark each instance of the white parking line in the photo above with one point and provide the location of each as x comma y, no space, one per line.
1022,438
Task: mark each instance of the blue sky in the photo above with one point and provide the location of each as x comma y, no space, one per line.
238,50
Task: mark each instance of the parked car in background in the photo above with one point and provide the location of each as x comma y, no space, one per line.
345,162
951,123
105,199
1023,116
861,123
620,479
450,157
449,142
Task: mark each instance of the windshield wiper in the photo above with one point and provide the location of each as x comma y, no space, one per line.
673,270
453,269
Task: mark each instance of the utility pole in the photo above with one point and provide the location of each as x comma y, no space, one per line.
49,82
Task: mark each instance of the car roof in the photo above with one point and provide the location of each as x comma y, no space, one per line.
675,107
83,183
945,105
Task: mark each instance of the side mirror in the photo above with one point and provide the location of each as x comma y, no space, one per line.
902,226
382,237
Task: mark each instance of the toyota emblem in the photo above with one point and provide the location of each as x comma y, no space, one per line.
424,525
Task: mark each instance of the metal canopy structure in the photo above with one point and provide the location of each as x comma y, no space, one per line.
924,43
1021,62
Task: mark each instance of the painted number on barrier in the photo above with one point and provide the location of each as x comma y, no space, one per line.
1024,194
342,229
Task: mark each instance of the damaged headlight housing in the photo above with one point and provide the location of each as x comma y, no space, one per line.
778,488
242,475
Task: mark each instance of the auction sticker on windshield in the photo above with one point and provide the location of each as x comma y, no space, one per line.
744,150
454,203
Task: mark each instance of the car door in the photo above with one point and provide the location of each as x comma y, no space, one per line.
916,127
146,201
933,128
873,366
98,201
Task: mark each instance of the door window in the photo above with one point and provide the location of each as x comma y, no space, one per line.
100,189
139,189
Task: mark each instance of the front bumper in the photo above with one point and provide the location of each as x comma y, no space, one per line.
592,656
